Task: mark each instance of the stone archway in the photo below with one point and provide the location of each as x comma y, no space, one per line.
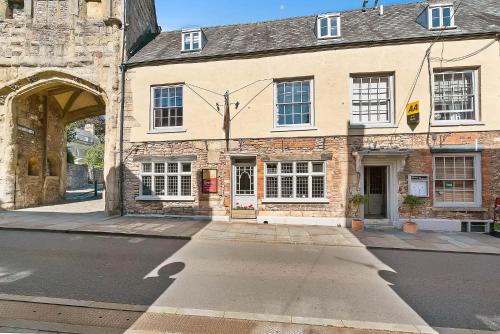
35,113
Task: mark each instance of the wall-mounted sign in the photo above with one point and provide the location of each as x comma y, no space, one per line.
25,129
209,179
418,185
413,113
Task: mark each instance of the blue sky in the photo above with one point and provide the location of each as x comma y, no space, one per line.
178,14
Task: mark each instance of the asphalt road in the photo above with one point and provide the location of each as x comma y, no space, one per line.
440,289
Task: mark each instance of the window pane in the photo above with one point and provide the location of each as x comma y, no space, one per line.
272,187
146,185
172,184
185,185
159,185
318,167
318,186
287,187
272,168
454,179
333,26
173,168
436,17
446,16
186,167
196,40
287,168
302,188
146,167
187,41
302,167
159,168
323,27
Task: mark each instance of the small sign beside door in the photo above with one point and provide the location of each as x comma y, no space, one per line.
418,185
209,179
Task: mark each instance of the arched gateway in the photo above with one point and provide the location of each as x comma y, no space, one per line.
36,111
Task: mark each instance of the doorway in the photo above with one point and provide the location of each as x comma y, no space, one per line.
244,183
375,187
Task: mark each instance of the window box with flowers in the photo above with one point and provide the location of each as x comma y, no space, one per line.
244,212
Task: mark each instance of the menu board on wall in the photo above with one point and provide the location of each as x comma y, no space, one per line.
209,181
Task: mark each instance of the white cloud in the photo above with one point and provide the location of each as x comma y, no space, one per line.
282,7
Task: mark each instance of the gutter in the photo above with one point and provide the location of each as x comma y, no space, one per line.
313,48
123,70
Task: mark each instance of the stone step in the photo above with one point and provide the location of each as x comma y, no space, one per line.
243,221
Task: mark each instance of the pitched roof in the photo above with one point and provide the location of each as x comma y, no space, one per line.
398,22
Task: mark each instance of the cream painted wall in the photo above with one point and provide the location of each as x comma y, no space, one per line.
331,71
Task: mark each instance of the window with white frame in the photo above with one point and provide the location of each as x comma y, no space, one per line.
192,40
456,96
372,99
295,181
328,26
293,103
168,111
166,180
457,180
441,17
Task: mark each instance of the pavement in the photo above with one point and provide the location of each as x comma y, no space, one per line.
342,287
87,217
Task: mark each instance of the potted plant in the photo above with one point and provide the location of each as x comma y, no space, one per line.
356,202
243,212
412,202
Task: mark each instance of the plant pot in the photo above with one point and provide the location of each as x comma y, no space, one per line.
243,214
357,225
410,227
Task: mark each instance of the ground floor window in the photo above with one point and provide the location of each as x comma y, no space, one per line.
166,180
305,180
457,180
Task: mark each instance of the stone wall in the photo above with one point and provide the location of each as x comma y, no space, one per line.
75,41
78,176
342,175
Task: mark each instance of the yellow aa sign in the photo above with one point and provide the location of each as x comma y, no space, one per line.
413,108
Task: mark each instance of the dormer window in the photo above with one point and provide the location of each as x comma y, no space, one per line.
441,17
192,40
328,26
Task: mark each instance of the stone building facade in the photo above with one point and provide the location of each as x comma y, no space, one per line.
208,132
59,63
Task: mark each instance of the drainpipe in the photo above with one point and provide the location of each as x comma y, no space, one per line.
123,70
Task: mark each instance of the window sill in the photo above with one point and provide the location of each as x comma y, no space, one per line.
176,129
460,209
443,124
294,128
166,198
442,28
296,200
372,126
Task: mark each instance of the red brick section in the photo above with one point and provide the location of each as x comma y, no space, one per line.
342,177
